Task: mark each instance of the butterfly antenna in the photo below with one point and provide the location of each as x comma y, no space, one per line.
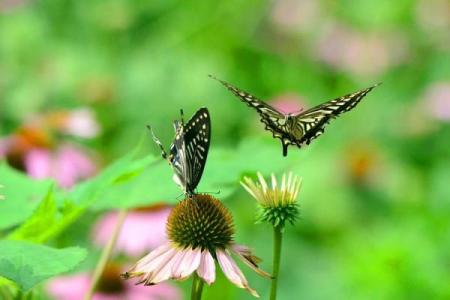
158,142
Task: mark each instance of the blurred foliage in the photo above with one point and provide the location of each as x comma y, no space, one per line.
375,200
29,264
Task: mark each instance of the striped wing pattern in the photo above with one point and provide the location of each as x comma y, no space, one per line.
197,135
189,150
311,123
271,117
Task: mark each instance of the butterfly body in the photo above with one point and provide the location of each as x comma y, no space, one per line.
189,150
301,128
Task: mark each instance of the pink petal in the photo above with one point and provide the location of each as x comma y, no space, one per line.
288,103
232,271
148,263
131,240
72,165
69,287
160,291
186,263
437,99
207,268
163,270
82,123
38,163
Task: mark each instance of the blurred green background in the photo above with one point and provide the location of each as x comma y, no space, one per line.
375,200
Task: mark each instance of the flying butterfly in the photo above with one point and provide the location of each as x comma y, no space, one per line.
189,150
298,128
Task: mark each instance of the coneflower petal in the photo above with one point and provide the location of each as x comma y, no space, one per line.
207,268
263,182
248,188
186,264
232,271
145,264
164,269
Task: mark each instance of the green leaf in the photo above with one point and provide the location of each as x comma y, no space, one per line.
35,229
223,170
22,195
28,264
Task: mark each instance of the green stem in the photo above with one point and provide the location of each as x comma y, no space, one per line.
197,288
106,254
277,238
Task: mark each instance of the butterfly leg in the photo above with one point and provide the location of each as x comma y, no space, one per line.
158,142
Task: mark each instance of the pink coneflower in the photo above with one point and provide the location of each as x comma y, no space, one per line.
67,164
288,103
361,53
131,241
296,15
437,101
79,122
200,231
110,287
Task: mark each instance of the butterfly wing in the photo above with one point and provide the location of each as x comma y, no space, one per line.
272,118
196,136
312,122
177,156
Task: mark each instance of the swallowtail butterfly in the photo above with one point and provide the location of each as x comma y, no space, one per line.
298,128
189,150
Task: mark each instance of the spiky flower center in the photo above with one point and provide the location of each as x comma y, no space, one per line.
200,221
278,216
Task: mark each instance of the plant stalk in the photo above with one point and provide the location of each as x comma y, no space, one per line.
277,239
197,288
106,254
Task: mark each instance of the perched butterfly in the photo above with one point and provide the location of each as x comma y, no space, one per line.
298,128
189,150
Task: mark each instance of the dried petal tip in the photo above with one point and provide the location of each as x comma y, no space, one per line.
279,202
200,221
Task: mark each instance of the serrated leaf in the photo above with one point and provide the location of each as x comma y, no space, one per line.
28,264
35,229
21,193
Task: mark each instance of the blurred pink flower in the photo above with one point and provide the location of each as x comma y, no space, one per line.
79,122
433,14
437,101
131,241
361,53
67,164
9,5
288,103
296,15
110,287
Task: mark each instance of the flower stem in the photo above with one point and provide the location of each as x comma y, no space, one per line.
277,238
106,254
197,288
